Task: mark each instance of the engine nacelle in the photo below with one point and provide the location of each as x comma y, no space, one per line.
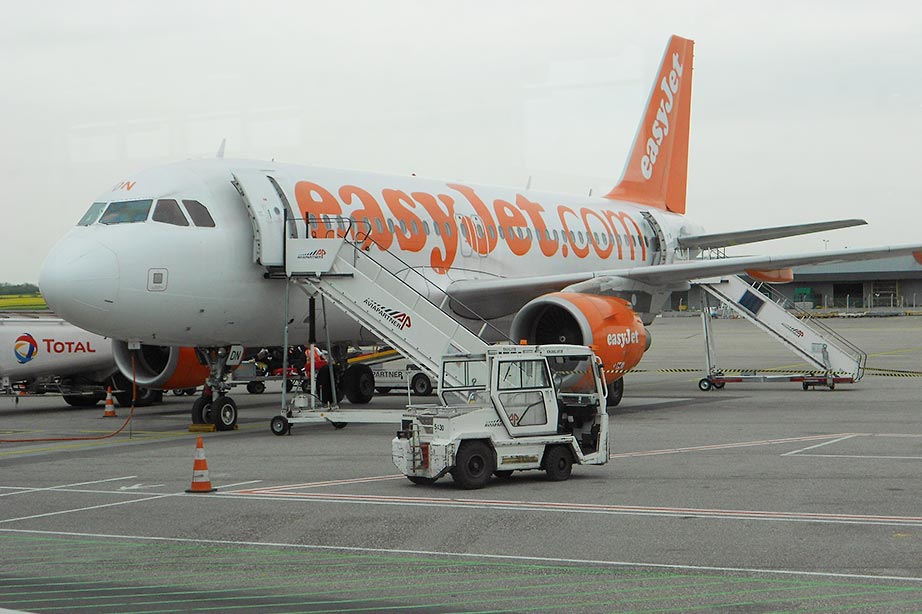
606,323
157,366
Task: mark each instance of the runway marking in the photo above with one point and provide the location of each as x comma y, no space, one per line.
27,490
724,446
583,508
861,456
819,445
471,555
272,489
86,509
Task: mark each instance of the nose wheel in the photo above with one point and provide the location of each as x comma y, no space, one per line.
215,406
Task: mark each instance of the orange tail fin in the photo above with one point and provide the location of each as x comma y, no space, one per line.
657,169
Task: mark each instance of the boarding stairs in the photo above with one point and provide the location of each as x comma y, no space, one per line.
835,359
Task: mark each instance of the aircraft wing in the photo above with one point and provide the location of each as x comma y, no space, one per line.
740,237
501,296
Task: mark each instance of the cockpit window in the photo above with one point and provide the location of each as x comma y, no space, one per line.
126,212
92,214
198,213
168,212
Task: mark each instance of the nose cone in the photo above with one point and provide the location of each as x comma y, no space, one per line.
79,280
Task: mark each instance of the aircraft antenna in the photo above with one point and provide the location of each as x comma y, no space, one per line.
220,153
528,183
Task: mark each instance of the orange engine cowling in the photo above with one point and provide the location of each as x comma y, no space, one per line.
606,323
162,367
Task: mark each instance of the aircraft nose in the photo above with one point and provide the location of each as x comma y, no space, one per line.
79,280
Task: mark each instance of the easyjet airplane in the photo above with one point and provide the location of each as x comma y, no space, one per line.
167,258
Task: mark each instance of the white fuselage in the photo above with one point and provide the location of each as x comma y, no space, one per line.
167,284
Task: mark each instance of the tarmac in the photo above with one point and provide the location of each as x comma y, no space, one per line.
755,498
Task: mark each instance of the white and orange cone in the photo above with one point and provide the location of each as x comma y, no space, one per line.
110,405
200,480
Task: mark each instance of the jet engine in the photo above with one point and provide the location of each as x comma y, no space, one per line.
605,322
158,366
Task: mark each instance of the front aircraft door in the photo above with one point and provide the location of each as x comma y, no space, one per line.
266,205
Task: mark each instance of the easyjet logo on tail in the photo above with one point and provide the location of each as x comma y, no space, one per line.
669,86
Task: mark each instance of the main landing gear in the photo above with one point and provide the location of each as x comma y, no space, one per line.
215,406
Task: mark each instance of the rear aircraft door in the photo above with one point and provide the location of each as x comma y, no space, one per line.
266,203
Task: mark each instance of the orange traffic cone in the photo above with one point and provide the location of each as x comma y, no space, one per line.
200,480
110,405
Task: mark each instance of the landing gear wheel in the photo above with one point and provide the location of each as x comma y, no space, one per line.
224,413
503,474
279,425
201,410
474,465
615,394
359,383
558,463
421,385
704,384
418,479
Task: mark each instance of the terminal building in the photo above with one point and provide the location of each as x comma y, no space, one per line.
886,284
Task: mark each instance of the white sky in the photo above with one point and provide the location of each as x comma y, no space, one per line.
802,111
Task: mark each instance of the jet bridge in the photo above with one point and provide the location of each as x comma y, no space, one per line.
835,359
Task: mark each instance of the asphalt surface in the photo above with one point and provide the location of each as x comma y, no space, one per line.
754,498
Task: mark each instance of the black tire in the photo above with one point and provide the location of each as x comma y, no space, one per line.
383,390
324,391
806,386
178,392
201,410
615,394
503,474
359,384
224,413
421,385
256,387
558,463
339,425
422,481
704,384
84,400
474,464
832,386
719,385
190,391
279,425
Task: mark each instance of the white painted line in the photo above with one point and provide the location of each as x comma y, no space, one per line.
271,489
86,509
862,456
819,445
473,555
239,484
18,492
724,446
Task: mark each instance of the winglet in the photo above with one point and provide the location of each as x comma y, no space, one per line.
657,168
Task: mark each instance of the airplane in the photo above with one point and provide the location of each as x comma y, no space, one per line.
167,258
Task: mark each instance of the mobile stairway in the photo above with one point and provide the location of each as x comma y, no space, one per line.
835,360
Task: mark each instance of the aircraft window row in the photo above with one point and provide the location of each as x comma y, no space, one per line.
166,211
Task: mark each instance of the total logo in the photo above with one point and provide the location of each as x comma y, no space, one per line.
25,348
399,319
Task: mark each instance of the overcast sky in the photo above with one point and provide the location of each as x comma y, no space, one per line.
802,111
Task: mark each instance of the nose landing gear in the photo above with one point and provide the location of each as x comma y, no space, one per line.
215,406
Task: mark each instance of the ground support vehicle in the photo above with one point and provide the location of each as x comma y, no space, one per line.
513,408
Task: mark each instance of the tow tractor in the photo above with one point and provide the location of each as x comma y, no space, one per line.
513,408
